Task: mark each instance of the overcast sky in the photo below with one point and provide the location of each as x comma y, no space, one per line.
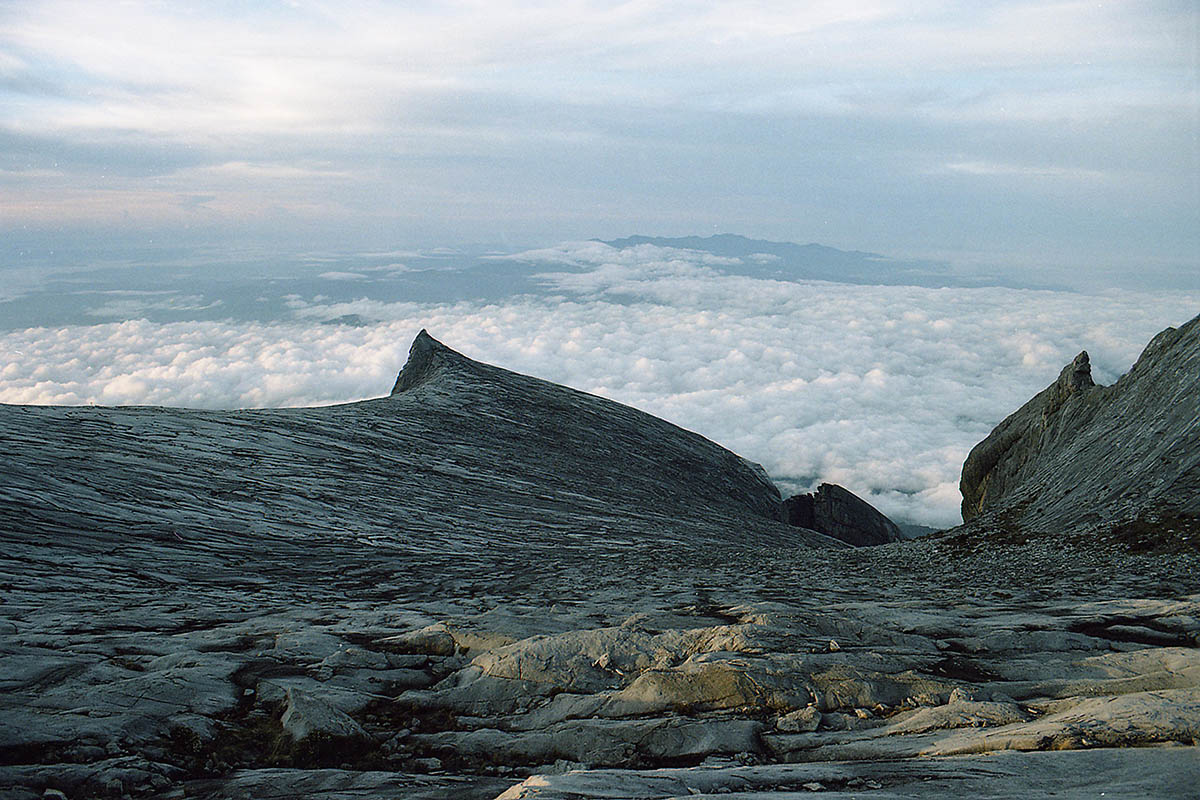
1044,135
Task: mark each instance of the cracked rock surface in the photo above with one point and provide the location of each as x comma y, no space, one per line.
488,586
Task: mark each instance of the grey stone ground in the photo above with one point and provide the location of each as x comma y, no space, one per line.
488,586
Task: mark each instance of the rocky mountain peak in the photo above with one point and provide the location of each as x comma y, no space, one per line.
570,438
993,464
423,355
1077,376
1078,453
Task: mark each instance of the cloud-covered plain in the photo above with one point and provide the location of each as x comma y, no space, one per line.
881,389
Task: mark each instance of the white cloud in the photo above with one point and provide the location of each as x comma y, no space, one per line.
137,303
881,389
349,69
996,169
642,257
378,121
343,276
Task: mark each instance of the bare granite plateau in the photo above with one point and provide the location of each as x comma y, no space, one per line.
488,586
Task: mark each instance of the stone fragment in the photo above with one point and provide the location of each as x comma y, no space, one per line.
1129,720
306,716
699,687
434,640
802,720
959,712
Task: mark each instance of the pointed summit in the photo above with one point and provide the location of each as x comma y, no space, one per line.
544,434
423,355
994,465
1075,377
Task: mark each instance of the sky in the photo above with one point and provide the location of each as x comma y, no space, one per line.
249,204
1056,136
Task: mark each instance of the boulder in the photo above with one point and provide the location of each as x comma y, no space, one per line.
802,720
960,712
308,717
838,512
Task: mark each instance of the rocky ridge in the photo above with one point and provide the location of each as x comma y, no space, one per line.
1078,455
488,586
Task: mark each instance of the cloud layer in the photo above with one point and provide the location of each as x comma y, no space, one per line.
881,389
1051,130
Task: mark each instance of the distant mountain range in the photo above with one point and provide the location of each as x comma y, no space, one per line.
790,261
177,285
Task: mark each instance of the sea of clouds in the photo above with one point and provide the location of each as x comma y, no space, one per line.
883,389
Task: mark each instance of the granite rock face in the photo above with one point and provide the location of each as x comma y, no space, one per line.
1081,455
625,453
1009,454
486,585
838,512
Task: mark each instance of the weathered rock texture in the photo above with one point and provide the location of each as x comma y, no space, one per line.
485,584
1081,455
838,512
1010,453
564,438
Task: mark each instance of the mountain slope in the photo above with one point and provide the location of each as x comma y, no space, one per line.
1079,455
464,456
483,577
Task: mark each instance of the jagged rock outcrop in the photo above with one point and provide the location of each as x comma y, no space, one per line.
573,437
836,511
1009,453
1081,455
